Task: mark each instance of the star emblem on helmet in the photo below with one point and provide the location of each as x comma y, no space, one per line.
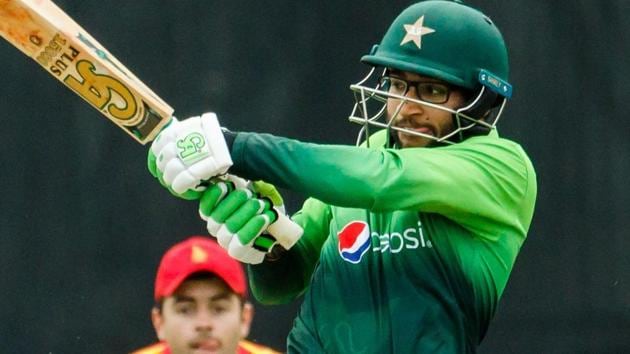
415,32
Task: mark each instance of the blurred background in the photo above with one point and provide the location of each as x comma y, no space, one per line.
84,225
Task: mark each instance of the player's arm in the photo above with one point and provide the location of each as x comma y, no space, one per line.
477,182
471,181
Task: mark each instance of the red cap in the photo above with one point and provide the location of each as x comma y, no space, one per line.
197,254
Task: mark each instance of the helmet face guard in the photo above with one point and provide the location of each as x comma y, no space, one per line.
448,41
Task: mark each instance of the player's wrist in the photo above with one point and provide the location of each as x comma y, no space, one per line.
229,137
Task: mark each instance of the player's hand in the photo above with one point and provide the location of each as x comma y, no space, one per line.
247,224
191,194
187,153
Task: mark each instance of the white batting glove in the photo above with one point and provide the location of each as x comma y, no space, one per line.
191,151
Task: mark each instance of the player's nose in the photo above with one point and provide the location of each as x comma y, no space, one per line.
204,321
410,106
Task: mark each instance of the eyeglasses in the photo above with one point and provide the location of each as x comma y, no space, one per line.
433,92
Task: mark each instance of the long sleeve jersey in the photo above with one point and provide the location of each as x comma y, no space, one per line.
404,250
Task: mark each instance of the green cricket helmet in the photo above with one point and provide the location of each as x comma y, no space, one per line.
450,41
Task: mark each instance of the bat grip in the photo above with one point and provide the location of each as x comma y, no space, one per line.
286,231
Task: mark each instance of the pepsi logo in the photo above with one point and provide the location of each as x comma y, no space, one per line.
354,241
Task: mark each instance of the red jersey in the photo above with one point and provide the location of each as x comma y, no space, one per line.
244,347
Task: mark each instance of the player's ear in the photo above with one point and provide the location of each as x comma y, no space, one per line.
158,320
247,315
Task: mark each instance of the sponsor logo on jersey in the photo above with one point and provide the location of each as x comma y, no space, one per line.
354,241
394,242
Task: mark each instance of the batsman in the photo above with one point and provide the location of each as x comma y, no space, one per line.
410,236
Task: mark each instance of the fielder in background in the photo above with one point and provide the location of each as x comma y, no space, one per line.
200,302
409,238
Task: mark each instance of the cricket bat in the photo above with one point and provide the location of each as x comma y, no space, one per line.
44,32
55,41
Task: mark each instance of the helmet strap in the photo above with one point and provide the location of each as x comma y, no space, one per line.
485,108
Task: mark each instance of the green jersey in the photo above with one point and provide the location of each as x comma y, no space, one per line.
404,250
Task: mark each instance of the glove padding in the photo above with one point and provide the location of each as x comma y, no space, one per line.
187,153
238,220
191,194
247,224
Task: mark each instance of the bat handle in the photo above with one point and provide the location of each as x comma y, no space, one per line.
286,231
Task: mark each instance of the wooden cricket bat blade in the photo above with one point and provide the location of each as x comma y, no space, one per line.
42,31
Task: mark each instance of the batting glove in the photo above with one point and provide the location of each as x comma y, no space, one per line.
187,153
247,224
191,194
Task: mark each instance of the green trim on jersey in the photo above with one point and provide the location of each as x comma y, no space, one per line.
445,224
